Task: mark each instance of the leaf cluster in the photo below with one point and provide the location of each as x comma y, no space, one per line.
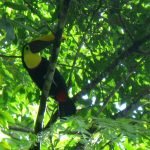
112,90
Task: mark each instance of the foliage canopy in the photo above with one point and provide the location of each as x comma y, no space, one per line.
105,62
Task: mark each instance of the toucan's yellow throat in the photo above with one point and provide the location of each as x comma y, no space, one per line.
32,60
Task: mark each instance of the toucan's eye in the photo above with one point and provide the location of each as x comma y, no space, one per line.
27,48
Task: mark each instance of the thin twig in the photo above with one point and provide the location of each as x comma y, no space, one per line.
135,103
9,56
35,11
125,27
59,64
118,86
20,129
81,43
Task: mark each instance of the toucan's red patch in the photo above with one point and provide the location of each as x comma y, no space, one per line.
61,96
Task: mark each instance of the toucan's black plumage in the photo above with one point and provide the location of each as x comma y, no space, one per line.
37,68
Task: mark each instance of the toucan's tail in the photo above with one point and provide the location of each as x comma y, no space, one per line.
67,108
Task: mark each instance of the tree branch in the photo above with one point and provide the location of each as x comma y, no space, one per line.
52,120
133,105
133,48
37,12
118,86
9,56
82,42
60,64
20,129
63,10
125,27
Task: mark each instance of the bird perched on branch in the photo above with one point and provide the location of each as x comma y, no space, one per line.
37,69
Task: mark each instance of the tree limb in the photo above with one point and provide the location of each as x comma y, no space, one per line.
132,49
133,105
60,64
20,129
125,27
37,12
9,56
64,6
82,42
118,86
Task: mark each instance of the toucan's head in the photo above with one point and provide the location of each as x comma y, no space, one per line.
30,59
40,43
31,50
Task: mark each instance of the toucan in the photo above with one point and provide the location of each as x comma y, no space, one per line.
36,66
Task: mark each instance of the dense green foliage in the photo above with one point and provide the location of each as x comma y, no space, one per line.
105,60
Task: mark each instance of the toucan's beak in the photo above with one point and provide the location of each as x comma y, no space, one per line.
42,42
38,45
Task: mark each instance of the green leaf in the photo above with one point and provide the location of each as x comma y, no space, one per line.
4,146
5,117
15,6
